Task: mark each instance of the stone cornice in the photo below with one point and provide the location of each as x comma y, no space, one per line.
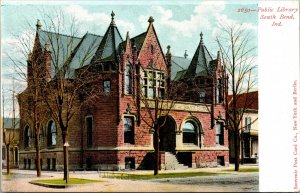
177,106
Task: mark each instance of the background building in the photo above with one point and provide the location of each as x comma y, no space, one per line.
12,137
249,129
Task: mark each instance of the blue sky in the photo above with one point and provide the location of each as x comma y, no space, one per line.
177,23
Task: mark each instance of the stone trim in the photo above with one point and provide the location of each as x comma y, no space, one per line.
180,106
195,148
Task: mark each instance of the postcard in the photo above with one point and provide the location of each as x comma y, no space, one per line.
149,96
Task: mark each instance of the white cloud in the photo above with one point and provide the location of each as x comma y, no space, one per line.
97,19
199,19
223,20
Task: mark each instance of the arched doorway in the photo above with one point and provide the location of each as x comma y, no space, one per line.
167,134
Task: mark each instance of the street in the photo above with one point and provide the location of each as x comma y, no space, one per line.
240,182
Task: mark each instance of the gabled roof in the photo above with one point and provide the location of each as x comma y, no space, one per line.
75,52
199,65
107,50
85,52
61,47
138,40
178,67
247,100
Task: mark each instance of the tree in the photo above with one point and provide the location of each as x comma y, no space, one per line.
158,103
237,56
30,71
9,134
63,85
54,86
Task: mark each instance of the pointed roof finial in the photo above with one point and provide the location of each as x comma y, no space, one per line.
201,38
38,24
168,51
185,54
150,20
47,47
218,55
112,18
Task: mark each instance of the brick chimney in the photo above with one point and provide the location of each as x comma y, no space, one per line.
169,65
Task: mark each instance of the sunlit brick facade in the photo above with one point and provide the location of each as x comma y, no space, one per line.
113,132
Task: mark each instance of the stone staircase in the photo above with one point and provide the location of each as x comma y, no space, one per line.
171,162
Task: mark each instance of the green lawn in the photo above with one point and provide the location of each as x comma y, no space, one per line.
63,182
163,175
243,170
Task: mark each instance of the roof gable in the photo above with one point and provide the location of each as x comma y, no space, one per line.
150,51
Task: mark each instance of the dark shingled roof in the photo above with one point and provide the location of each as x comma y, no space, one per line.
200,62
138,40
107,50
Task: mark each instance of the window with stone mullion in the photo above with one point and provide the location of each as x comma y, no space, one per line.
153,84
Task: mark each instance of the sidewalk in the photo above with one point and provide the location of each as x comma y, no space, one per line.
20,182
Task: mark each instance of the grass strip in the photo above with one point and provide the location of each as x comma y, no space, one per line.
160,176
243,170
63,182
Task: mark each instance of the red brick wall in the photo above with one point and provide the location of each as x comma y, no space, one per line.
208,158
145,54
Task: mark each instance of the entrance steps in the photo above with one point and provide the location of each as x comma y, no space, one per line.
171,162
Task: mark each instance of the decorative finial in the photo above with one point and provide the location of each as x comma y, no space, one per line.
150,20
201,38
218,55
47,47
112,18
38,24
29,56
168,51
185,54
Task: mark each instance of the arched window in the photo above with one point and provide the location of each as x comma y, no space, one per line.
51,133
128,80
27,136
190,132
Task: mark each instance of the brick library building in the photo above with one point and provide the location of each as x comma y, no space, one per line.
136,80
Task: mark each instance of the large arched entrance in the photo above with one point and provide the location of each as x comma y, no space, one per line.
167,134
